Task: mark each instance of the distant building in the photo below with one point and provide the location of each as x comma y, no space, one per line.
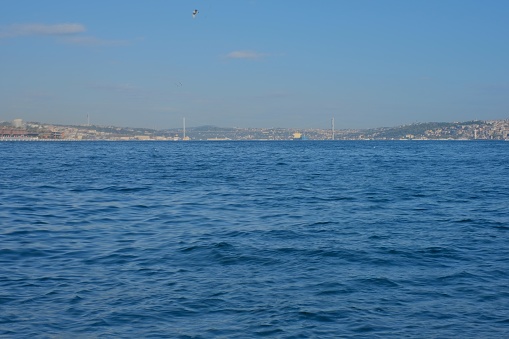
142,137
51,135
299,136
17,123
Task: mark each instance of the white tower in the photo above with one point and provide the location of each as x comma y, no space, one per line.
332,123
184,128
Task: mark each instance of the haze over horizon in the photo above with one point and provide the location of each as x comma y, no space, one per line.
254,63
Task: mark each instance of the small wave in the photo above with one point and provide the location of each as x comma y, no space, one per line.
464,221
332,288
23,253
328,316
30,232
112,259
268,331
107,189
376,282
458,276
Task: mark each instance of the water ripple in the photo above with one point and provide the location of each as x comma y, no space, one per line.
241,240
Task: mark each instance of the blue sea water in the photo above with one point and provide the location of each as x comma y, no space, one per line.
254,239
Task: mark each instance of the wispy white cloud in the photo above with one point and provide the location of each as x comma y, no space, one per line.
246,55
69,33
16,30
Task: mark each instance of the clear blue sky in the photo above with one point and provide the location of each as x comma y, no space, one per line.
254,63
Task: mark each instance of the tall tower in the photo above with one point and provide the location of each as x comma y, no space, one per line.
184,128
332,125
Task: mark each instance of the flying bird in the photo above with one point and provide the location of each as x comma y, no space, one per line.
194,13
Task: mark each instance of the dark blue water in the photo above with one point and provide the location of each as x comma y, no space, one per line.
254,239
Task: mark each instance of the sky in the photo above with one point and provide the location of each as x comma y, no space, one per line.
254,63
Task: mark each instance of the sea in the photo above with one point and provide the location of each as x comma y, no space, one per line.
224,239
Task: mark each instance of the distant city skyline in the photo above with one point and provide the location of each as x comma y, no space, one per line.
18,130
254,63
